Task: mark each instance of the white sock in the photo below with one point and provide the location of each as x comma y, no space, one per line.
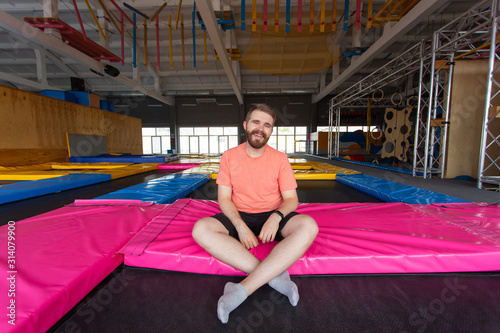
287,287
234,295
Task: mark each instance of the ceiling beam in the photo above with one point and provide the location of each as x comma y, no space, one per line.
25,82
18,27
207,13
50,56
393,33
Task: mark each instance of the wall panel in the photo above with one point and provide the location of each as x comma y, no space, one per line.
33,128
466,117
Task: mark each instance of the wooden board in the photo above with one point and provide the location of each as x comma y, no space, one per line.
18,157
32,122
466,119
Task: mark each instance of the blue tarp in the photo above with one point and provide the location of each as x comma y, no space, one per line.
390,191
24,190
164,190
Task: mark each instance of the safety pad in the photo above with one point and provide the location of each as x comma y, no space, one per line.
321,171
390,191
302,170
209,168
60,256
88,166
124,159
354,238
25,190
51,170
165,189
177,166
24,175
128,170
379,166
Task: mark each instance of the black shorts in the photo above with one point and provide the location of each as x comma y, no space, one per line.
255,221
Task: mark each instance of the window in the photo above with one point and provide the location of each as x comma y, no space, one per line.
289,139
216,140
207,140
156,140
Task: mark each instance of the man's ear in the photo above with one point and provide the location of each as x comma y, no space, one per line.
245,125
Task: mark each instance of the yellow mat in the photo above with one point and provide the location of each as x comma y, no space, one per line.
23,175
87,166
51,170
302,170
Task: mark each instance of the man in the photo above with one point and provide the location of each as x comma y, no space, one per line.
257,196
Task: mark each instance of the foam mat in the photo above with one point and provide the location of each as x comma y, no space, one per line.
30,189
354,238
52,170
62,255
390,191
165,189
124,159
303,170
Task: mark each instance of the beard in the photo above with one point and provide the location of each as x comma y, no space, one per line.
255,143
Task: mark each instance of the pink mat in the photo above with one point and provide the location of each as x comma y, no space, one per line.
353,238
178,166
62,255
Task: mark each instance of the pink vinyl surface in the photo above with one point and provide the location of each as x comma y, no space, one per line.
61,256
182,166
354,238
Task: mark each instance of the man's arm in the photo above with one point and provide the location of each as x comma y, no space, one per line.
270,228
246,236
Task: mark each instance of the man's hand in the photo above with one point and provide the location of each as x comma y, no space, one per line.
270,228
247,237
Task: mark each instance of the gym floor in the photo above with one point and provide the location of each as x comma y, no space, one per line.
145,300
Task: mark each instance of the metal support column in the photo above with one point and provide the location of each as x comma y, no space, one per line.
489,159
333,126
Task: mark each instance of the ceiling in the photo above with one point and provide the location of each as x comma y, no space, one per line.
319,63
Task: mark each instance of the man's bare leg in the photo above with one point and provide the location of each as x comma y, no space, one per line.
210,234
298,233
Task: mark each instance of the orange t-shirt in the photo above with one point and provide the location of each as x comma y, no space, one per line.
257,182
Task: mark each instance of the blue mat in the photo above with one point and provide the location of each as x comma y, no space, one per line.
390,191
124,159
24,190
378,166
164,190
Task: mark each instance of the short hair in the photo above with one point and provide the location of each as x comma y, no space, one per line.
261,107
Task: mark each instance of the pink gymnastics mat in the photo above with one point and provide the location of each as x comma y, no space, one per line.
178,166
354,238
57,258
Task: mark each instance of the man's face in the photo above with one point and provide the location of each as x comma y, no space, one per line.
258,129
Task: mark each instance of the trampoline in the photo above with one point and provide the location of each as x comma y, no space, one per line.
148,300
145,300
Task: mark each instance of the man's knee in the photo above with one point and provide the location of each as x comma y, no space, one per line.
199,229
204,227
303,225
309,226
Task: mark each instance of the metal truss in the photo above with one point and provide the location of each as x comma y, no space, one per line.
431,127
401,66
459,38
362,103
467,36
333,127
489,164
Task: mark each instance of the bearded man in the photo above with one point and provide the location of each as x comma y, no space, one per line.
258,198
